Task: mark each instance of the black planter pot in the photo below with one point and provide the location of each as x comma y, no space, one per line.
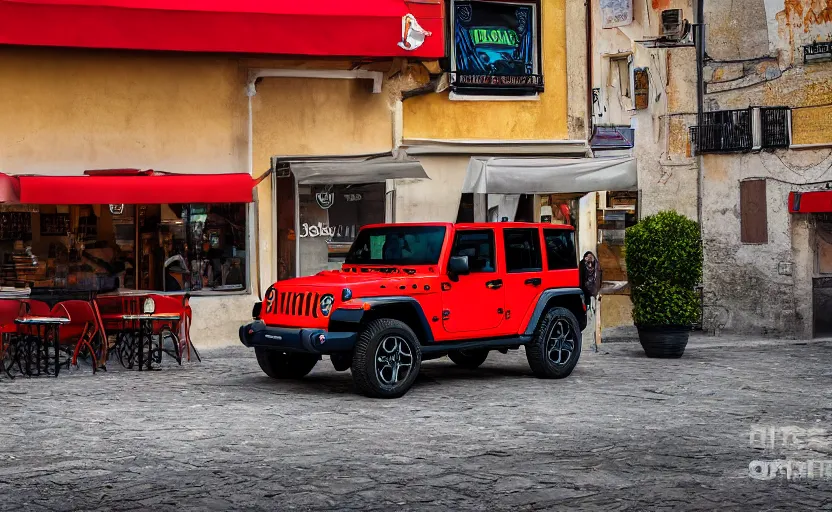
664,341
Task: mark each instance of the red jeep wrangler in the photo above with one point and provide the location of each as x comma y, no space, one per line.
412,292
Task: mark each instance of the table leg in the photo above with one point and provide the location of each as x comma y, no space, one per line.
56,343
141,345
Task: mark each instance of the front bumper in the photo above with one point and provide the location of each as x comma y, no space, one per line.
291,339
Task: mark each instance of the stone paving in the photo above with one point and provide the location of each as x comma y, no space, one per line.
623,433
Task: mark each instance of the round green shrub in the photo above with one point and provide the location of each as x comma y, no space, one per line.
664,263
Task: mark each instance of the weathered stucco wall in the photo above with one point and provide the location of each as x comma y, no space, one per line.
435,116
764,288
667,174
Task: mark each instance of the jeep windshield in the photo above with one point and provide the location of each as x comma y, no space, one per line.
397,245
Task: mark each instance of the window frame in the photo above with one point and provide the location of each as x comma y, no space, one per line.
526,270
493,233
574,248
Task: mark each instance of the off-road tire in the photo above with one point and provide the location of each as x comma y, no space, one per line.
470,359
363,369
536,350
281,365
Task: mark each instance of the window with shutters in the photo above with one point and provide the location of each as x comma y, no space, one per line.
753,212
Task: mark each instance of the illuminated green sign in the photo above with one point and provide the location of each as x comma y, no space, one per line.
494,36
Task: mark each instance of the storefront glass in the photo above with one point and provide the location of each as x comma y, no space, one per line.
200,248
617,212
330,217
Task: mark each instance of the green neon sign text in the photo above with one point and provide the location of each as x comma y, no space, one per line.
497,36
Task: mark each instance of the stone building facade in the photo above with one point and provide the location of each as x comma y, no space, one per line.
764,135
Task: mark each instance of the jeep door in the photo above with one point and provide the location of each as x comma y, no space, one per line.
472,305
524,274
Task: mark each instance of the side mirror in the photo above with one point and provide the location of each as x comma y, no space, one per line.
458,266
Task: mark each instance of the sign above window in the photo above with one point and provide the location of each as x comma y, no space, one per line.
496,48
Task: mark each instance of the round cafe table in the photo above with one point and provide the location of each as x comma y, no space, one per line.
143,339
34,349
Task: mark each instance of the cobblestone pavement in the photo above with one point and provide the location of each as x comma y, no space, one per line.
623,433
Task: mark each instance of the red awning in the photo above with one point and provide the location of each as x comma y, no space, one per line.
365,28
9,189
810,202
137,189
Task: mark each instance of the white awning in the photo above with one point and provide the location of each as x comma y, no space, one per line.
350,170
549,175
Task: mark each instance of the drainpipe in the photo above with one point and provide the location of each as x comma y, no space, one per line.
699,39
254,214
699,36
589,70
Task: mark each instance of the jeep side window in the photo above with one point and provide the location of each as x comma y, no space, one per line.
478,245
560,249
523,252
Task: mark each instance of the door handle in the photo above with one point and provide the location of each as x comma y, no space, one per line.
495,284
535,281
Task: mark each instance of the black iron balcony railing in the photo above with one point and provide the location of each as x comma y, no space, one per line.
723,131
774,127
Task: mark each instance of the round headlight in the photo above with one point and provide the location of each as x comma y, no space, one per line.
346,294
326,304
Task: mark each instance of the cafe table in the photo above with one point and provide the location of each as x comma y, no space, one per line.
47,333
144,336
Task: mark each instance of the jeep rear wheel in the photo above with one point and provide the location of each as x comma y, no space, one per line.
281,365
471,359
556,346
386,360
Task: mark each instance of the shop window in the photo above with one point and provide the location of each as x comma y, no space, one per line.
479,247
523,252
560,249
753,212
496,48
181,247
617,211
330,218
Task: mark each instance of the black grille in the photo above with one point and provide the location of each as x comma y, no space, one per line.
299,304
723,131
775,127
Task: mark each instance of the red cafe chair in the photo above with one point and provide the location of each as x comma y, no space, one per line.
81,331
9,331
167,304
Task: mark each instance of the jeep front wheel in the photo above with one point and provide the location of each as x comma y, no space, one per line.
556,345
280,365
386,360
471,359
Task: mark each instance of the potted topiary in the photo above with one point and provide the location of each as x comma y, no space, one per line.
664,263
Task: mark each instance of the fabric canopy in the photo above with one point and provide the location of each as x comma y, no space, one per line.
137,189
368,28
549,175
352,170
819,201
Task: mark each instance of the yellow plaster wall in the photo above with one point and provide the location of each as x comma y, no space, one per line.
435,116
300,116
66,111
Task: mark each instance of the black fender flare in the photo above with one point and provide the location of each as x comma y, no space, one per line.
355,316
544,299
